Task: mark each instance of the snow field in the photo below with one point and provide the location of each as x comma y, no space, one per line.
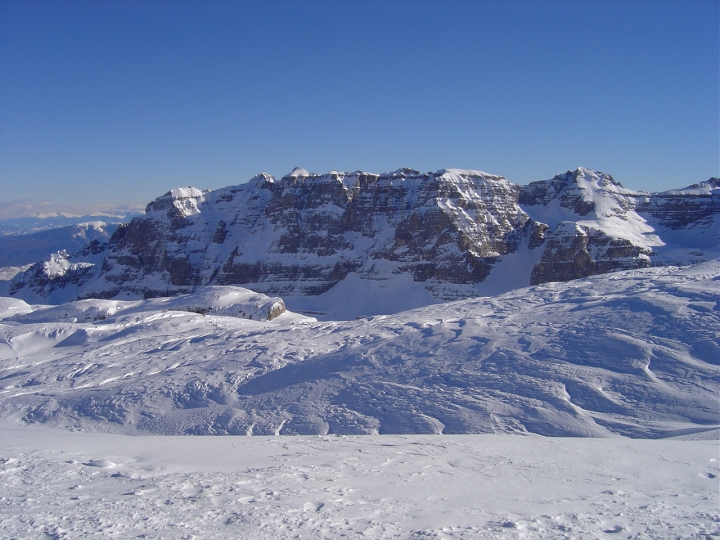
69,485
633,353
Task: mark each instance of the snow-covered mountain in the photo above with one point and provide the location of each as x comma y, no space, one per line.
597,226
632,353
342,245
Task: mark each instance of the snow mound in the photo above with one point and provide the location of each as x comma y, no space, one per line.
10,307
80,311
298,172
218,300
228,301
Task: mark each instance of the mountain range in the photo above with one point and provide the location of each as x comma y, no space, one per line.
343,245
22,249
28,225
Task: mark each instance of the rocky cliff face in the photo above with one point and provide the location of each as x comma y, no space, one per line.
597,226
305,233
696,206
593,228
444,235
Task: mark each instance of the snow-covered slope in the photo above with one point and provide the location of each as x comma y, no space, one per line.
632,353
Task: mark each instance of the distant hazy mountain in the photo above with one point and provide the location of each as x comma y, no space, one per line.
18,250
341,245
44,222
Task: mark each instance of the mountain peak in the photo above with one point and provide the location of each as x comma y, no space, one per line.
181,202
187,192
402,172
298,172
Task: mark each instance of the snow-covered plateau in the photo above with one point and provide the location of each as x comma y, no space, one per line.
584,409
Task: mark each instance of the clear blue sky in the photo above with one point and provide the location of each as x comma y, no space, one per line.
120,101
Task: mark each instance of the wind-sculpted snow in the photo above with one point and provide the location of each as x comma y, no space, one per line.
230,301
633,353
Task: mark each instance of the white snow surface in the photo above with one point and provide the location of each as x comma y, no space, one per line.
58,484
377,407
633,353
355,297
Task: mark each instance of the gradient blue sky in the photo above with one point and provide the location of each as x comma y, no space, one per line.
120,101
